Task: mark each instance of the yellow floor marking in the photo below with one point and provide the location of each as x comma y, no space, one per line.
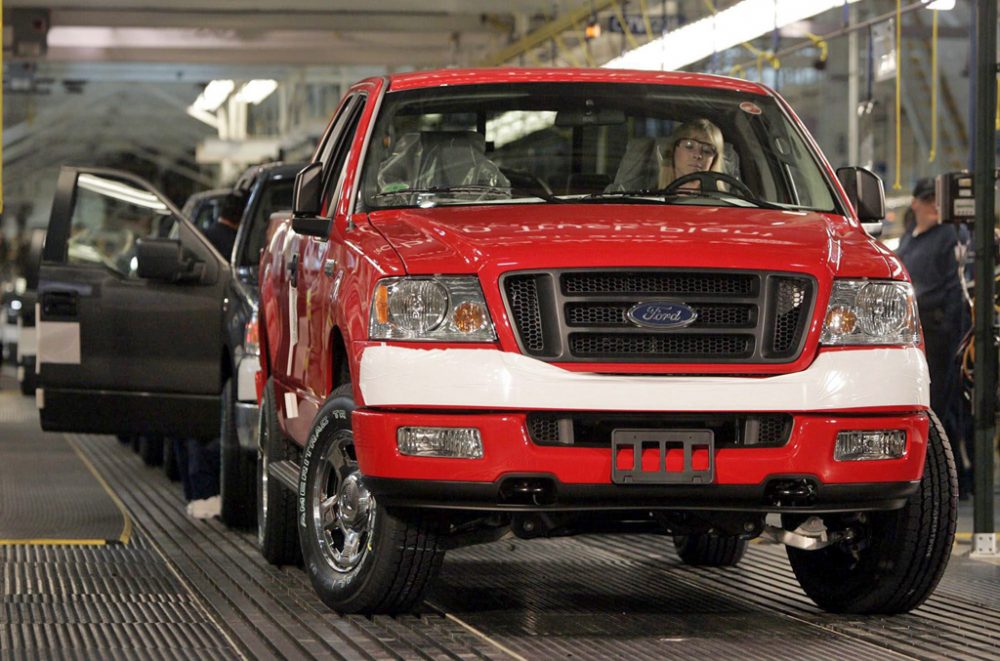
127,528
471,629
53,542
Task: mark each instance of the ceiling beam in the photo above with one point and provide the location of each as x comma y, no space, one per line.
273,20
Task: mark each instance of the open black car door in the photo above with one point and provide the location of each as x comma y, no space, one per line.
129,312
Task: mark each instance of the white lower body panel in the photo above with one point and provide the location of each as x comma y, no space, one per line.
478,378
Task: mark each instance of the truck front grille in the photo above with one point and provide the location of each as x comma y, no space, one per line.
582,316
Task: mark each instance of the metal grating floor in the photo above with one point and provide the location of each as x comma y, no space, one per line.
187,589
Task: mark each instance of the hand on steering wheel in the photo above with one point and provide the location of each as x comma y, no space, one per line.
708,180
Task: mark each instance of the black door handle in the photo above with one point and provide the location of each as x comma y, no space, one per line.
60,305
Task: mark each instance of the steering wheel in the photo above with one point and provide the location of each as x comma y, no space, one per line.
708,180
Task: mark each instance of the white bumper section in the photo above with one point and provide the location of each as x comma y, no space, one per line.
481,378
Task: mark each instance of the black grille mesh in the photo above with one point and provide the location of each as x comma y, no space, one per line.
773,429
792,302
730,430
627,345
522,295
543,428
613,314
675,284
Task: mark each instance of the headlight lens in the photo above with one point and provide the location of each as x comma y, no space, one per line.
444,309
871,312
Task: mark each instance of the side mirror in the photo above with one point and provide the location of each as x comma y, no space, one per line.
308,203
865,191
161,259
307,200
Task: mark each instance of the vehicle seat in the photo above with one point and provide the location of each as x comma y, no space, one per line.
439,159
639,168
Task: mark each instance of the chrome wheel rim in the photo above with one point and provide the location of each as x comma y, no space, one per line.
343,510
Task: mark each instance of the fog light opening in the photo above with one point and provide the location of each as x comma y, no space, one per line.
870,445
445,442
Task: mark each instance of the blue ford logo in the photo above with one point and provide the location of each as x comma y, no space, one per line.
662,314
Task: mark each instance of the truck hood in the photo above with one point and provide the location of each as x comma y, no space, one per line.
467,239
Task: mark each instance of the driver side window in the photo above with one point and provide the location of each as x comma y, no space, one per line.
109,216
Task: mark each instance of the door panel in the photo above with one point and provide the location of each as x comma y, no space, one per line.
119,353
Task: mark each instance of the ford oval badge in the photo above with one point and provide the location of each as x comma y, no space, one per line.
662,314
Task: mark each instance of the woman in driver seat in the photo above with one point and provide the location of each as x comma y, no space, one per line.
694,146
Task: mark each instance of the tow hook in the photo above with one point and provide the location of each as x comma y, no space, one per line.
811,535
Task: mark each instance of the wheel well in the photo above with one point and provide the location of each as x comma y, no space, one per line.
340,372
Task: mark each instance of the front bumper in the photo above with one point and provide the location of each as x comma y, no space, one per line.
580,477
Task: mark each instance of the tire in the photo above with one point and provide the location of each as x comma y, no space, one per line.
365,558
277,538
237,469
151,449
710,550
170,460
898,556
30,381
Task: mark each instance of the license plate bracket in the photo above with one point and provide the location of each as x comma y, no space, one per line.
651,456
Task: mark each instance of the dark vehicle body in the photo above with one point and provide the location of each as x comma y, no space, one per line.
143,321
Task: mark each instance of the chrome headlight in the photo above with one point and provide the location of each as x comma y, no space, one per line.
871,312
443,309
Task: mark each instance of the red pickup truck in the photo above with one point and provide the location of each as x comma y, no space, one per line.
548,302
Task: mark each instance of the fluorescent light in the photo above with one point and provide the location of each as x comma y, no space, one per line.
942,5
696,41
121,191
214,95
256,91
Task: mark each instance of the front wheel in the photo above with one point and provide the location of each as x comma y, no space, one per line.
360,557
237,471
893,560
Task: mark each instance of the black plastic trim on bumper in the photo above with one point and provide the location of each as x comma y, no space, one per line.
440,494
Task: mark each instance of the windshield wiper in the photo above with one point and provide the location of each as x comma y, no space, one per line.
444,190
643,194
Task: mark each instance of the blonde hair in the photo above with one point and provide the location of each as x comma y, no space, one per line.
696,129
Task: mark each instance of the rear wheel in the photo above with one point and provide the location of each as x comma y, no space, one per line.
893,560
151,449
170,468
710,550
237,472
276,535
360,557
29,380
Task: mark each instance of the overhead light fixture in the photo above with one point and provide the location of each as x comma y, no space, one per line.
942,5
256,91
742,22
214,95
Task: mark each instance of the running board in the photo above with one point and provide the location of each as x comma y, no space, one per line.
286,472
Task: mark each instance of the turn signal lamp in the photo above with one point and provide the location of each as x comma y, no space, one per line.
381,304
251,339
870,445
470,317
841,320
445,442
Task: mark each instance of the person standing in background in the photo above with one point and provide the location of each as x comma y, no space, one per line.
930,254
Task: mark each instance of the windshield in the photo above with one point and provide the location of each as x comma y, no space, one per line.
589,143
